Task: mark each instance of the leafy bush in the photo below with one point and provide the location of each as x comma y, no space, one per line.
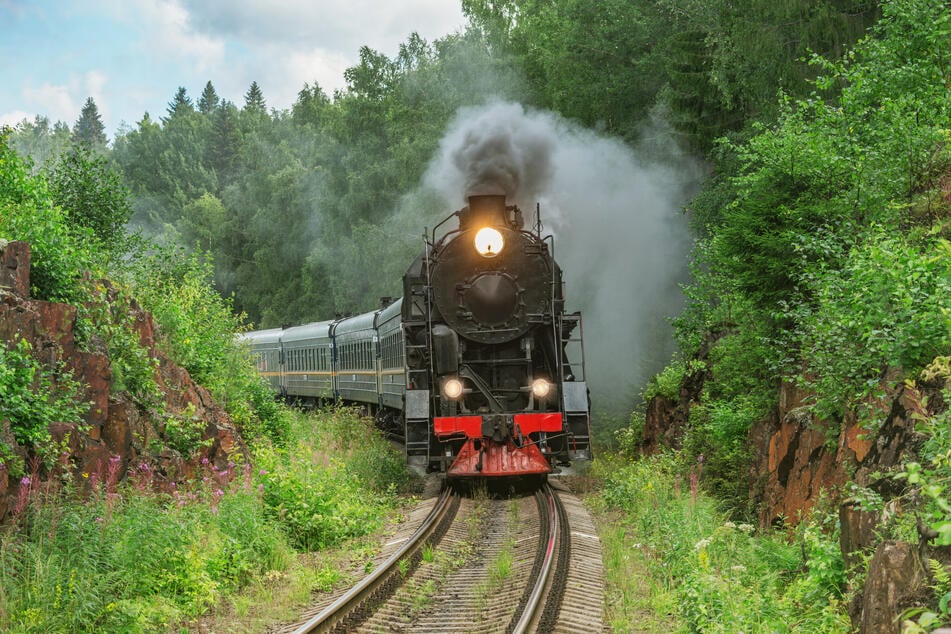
60,251
667,383
327,485
33,396
887,307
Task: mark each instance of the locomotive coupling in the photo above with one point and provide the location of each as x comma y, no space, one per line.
498,427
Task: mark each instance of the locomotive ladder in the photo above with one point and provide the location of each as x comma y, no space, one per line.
417,414
416,410
575,386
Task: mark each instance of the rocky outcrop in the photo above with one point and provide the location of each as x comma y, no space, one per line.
115,427
797,458
665,420
896,580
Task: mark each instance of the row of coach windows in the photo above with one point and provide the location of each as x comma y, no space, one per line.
357,355
392,352
308,360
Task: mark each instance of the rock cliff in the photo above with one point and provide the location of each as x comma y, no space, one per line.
797,457
115,428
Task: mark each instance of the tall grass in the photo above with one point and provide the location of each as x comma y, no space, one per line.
672,556
142,555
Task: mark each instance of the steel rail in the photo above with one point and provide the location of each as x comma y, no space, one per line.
342,608
531,611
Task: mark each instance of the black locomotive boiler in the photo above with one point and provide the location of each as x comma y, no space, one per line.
477,367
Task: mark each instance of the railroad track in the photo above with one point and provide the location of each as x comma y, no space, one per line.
478,564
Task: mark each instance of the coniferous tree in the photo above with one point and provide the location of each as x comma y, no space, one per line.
254,99
209,99
89,130
180,104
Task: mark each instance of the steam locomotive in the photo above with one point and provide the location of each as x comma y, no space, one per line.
477,368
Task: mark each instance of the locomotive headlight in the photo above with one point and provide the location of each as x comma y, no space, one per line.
488,242
452,389
541,388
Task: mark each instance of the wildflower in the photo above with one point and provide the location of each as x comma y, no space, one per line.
262,472
205,461
729,525
703,558
25,481
746,528
85,475
702,544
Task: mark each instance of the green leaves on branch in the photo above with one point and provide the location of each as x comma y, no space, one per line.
32,396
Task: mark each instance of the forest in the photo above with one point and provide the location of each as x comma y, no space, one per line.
805,238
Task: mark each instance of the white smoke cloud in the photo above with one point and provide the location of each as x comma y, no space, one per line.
621,237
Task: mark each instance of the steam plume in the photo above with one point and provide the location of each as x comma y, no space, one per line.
621,237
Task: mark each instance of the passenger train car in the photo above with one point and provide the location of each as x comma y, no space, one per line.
477,368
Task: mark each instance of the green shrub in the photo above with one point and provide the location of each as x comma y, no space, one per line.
59,250
33,396
887,307
197,330
725,576
184,432
333,480
667,383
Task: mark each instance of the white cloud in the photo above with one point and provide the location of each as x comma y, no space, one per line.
13,118
342,27
52,100
63,102
169,32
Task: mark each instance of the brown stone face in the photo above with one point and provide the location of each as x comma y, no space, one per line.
15,269
116,430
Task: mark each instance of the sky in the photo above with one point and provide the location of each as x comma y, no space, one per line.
131,56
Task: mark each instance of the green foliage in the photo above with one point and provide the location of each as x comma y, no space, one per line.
725,577
886,307
668,382
319,488
933,476
609,63
135,562
196,329
60,252
33,396
184,432
109,317
83,183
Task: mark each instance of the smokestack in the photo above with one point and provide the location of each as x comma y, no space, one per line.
484,210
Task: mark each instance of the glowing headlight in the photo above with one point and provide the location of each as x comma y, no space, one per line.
452,388
541,388
488,242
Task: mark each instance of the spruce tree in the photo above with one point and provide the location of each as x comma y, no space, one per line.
180,104
254,99
209,99
89,130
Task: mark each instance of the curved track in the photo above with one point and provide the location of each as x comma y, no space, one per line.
482,565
